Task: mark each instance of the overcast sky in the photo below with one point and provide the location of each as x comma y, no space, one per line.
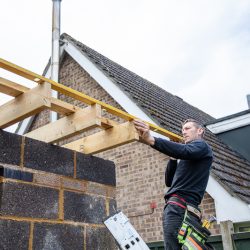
198,50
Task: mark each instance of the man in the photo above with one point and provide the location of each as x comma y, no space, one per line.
187,177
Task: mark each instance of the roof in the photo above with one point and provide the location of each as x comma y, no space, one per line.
168,111
245,112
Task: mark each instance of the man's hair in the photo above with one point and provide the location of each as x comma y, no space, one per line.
196,123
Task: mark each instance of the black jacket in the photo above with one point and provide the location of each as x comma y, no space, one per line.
191,173
170,171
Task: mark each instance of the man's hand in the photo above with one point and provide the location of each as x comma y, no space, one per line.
144,132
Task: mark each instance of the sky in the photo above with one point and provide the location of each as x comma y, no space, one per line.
197,50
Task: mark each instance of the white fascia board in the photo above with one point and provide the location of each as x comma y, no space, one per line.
230,124
106,83
227,207
27,122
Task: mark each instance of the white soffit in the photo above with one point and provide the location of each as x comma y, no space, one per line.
105,82
227,207
230,124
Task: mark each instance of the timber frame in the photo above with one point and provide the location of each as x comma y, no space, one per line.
28,102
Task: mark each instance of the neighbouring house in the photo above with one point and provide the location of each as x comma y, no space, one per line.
234,130
139,168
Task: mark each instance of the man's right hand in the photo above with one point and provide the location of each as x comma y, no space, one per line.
144,132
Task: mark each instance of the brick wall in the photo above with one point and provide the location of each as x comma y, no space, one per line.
139,168
41,119
53,198
208,210
140,181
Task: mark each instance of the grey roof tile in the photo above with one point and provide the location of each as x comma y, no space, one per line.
168,111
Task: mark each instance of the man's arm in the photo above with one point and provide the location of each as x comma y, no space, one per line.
191,151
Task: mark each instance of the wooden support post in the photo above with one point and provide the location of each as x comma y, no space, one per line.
227,229
25,105
107,139
68,126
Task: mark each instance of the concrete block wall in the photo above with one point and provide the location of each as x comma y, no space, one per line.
53,198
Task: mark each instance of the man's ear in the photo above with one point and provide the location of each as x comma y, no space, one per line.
200,131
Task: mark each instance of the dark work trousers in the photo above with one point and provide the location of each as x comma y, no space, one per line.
173,216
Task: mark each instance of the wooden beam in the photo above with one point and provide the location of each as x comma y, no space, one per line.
62,107
68,126
104,140
21,71
11,88
115,111
61,88
25,105
14,89
82,97
107,123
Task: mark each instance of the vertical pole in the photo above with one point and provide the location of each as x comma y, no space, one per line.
227,229
248,101
55,56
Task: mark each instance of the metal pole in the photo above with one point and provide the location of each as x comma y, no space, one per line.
248,101
55,56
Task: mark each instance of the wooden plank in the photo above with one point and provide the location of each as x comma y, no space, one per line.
82,97
68,126
25,105
107,123
104,140
14,89
89,100
227,229
62,107
21,71
11,88
60,88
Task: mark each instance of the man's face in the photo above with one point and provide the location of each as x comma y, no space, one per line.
191,132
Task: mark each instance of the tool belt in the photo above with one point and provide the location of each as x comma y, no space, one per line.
177,200
192,236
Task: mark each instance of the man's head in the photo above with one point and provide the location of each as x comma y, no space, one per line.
192,130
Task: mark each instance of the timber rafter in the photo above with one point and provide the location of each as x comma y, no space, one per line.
75,120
